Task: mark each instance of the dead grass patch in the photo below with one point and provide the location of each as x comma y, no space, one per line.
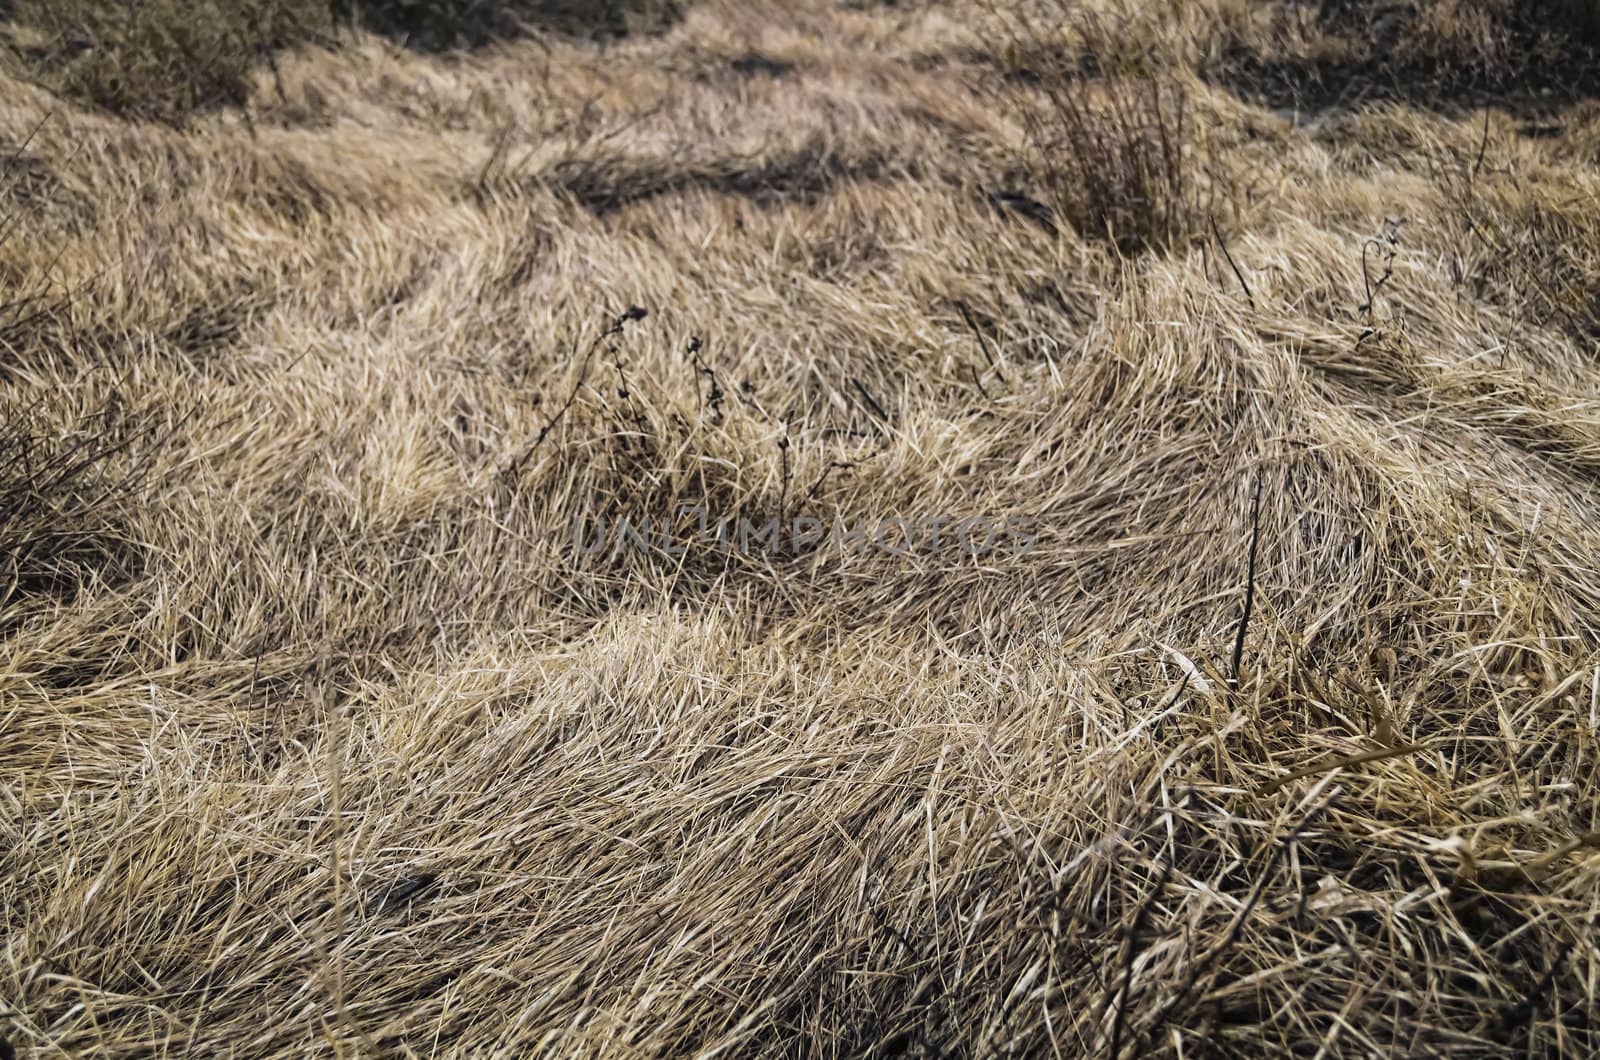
1441,54
318,737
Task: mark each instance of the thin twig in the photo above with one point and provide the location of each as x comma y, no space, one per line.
1250,580
872,402
1215,231
783,494
1483,145
812,492
977,380
632,313
983,343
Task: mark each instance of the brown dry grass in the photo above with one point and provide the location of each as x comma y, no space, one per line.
317,737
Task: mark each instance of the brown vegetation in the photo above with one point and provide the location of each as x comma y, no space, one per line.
318,736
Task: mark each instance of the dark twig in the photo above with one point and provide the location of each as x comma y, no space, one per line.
1250,581
815,486
628,315
1366,277
713,400
977,381
1483,145
1386,246
783,493
872,402
1221,243
983,343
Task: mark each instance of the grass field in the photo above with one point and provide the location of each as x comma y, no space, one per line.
325,730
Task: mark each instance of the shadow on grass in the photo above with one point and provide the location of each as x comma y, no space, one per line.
165,60
1529,59
1313,85
434,25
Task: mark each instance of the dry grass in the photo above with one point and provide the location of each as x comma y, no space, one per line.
1524,54
154,59
319,737
166,60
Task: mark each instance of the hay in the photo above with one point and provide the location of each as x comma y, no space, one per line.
318,736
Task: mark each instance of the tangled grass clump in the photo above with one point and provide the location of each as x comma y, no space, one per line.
1120,146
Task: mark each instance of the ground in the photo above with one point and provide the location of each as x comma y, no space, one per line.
341,716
